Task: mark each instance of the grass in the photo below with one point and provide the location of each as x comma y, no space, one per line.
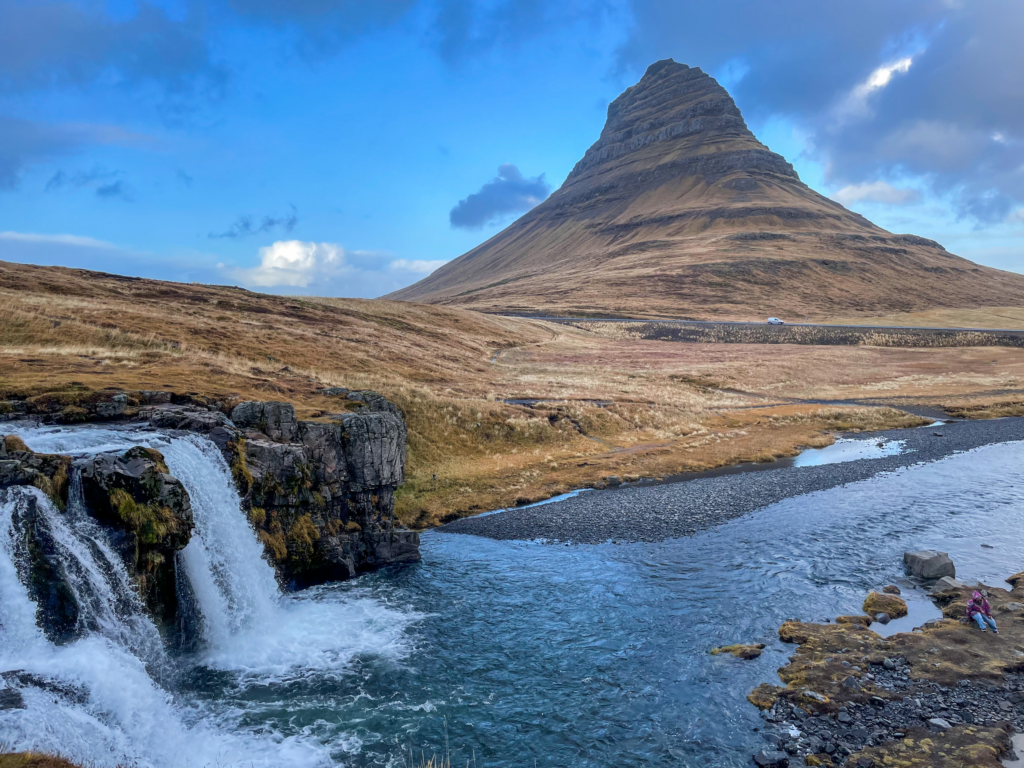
606,406
978,317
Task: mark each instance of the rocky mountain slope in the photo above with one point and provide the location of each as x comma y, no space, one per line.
678,210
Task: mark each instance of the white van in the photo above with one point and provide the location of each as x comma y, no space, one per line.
775,321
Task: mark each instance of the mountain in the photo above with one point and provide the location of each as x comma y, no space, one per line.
678,210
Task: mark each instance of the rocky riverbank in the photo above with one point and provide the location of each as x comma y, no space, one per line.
655,513
945,695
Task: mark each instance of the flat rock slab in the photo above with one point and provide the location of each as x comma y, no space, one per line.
673,510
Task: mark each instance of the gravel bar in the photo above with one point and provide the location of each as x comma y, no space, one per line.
672,510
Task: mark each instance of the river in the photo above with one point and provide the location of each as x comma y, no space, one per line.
512,653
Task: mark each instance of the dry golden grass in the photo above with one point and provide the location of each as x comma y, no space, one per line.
607,407
978,317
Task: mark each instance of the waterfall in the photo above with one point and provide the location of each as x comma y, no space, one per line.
234,586
115,695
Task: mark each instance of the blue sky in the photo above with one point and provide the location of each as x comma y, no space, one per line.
347,148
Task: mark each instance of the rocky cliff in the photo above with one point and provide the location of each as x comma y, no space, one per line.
320,495
678,210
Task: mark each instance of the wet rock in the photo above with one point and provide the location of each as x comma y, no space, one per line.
883,618
891,589
928,564
1011,607
149,512
877,603
864,621
771,759
740,651
43,570
11,698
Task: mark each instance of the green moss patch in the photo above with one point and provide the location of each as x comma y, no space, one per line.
150,522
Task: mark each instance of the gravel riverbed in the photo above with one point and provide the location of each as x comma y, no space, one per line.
672,510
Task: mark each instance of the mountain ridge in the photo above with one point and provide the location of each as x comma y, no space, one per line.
678,209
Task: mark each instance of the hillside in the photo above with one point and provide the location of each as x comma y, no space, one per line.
678,210
499,409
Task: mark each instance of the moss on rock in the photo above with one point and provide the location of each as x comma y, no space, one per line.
877,602
740,651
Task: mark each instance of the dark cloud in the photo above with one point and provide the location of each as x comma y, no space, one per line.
245,226
47,43
954,118
115,190
509,192
25,142
104,182
79,179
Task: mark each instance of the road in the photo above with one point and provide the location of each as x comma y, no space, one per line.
1015,331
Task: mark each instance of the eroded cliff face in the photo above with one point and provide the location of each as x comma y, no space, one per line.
320,495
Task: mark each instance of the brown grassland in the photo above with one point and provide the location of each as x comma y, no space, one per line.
607,407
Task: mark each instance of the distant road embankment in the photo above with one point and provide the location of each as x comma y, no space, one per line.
724,332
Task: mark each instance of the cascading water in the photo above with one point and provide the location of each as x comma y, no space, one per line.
114,695
233,584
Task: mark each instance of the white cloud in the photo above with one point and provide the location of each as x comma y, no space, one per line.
78,240
876,192
294,263
418,266
855,105
1016,217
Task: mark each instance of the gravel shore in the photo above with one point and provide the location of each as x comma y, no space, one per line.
671,510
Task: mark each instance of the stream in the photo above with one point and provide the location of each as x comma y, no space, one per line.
512,653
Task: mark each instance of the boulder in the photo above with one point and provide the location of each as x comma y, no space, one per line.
928,564
877,603
945,583
891,589
771,759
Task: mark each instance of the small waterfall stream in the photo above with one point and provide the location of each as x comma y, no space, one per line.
115,694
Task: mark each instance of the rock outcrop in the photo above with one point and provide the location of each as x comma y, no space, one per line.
677,210
319,493
149,514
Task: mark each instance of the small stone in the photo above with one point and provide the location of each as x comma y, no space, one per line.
851,683
865,762
883,618
844,717
938,722
891,589
889,664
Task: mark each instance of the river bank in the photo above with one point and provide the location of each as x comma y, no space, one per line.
658,512
943,696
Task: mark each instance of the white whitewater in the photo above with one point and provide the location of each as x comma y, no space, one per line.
108,697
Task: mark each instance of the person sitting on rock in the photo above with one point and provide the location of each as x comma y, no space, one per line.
979,610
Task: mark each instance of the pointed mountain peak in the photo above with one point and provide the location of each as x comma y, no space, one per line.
677,208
